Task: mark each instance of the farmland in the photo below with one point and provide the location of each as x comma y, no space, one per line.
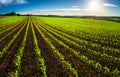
34,46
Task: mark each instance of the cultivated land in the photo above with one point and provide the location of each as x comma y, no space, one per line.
33,46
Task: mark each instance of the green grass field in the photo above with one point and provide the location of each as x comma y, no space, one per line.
38,46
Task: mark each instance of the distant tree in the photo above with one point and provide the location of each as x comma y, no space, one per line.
18,14
29,14
12,13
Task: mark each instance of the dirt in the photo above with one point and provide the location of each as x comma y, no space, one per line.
83,70
54,66
6,62
29,63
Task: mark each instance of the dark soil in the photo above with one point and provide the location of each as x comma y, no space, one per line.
6,62
30,64
102,61
54,66
83,70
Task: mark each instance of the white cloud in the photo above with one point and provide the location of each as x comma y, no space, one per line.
65,11
21,1
109,5
74,6
5,2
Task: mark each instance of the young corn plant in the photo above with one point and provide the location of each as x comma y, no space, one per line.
4,50
38,53
17,60
83,58
67,64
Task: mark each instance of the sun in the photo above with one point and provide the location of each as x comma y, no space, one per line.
94,5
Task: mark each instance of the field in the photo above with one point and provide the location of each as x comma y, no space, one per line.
34,46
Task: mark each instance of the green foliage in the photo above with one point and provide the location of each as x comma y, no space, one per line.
38,53
98,38
106,70
10,19
115,73
67,64
4,50
98,66
17,60
53,31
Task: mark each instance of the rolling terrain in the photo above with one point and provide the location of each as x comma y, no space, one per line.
34,46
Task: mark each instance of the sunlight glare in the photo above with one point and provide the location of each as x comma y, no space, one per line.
95,7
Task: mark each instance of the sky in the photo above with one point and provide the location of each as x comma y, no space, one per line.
62,7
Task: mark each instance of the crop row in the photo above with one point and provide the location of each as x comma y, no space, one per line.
90,62
84,48
10,42
17,59
42,66
13,29
65,63
75,52
100,35
95,46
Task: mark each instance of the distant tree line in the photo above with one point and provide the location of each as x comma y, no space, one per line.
11,14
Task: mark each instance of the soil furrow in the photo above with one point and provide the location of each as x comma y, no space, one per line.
102,61
29,64
83,70
6,62
8,38
6,32
54,67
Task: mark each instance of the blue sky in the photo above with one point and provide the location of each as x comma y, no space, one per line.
62,7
